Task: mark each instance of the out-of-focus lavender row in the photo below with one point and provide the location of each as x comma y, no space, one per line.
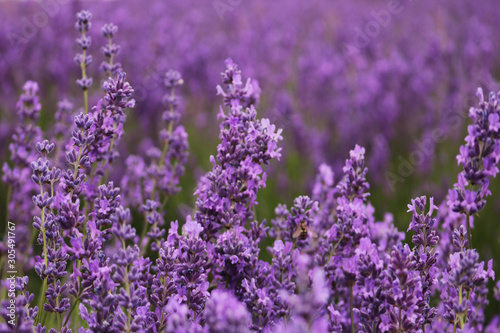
335,74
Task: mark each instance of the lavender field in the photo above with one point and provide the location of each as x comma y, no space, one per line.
249,166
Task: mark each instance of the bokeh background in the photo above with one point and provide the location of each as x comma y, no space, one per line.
382,74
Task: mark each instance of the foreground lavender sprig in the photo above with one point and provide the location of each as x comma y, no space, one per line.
354,184
183,268
406,291
17,314
227,194
225,314
308,307
479,157
463,280
425,241
66,230
51,266
463,286
93,142
109,116
371,290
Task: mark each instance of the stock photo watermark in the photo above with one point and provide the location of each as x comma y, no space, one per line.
11,272
150,81
379,19
223,6
424,147
33,23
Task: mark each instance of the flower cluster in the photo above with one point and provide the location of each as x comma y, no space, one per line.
425,240
227,194
479,156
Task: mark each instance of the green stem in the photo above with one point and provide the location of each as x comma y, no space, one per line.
71,311
43,232
460,298
351,310
469,235
106,174
41,300
84,75
127,289
400,329
44,287
85,101
59,320
77,163
110,43
162,159
77,298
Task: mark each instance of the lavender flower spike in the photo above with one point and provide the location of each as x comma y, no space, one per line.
479,157
425,240
83,60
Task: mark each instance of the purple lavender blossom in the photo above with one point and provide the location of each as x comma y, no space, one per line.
479,157
227,194
281,279
325,193
224,313
192,267
405,294
110,50
354,184
463,290
299,220
425,241
308,307
370,288
232,259
105,313
83,60
18,316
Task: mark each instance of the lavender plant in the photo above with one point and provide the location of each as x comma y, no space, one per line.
83,266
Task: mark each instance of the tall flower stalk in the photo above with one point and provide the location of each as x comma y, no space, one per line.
83,60
167,166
